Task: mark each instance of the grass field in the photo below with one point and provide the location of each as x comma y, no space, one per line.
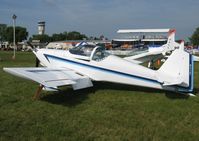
104,112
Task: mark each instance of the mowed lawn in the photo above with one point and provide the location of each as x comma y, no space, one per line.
105,112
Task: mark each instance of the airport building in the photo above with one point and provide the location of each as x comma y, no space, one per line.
132,38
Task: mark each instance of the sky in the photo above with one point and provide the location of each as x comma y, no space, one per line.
102,17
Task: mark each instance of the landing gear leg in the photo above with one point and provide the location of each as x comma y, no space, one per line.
38,92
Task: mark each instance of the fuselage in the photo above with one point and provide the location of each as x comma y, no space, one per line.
110,69
96,64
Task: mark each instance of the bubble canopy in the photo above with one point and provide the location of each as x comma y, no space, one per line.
93,52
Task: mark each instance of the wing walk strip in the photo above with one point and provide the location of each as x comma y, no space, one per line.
58,80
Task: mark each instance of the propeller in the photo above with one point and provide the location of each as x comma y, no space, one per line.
37,61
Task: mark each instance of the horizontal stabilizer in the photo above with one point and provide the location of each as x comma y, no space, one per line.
177,82
196,58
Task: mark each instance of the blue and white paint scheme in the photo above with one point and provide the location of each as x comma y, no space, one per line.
81,65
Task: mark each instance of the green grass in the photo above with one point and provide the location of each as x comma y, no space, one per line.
104,112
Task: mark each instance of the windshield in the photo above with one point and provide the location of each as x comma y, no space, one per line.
99,54
84,50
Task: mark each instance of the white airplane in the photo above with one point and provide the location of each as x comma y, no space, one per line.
154,52
80,66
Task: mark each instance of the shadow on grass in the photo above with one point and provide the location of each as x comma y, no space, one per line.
69,97
173,95
196,91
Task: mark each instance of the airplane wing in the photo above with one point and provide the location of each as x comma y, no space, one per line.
143,57
52,78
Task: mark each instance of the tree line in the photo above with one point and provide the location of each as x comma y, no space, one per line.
195,37
73,35
6,34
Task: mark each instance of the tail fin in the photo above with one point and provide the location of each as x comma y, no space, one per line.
171,44
178,71
171,36
181,45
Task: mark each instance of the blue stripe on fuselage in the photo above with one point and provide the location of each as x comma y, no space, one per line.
103,69
184,89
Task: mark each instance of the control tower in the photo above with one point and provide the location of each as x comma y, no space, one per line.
41,27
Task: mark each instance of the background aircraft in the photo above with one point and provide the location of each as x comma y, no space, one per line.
154,53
